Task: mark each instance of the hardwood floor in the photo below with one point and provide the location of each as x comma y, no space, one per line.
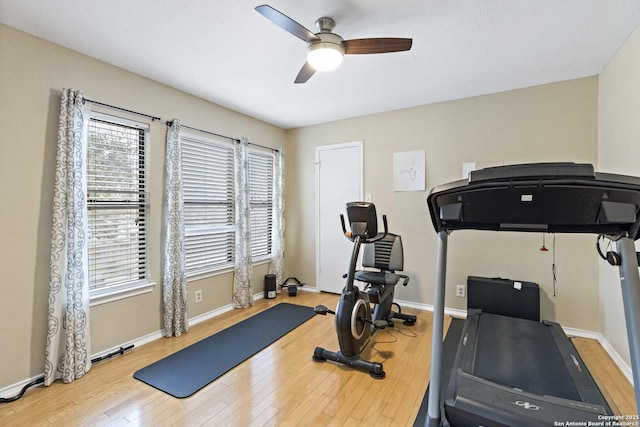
279,386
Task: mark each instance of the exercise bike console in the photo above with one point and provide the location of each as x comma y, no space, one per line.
363,222
355,320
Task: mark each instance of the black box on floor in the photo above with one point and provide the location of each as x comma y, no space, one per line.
504,296
269,286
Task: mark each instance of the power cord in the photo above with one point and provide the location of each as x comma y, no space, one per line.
40,380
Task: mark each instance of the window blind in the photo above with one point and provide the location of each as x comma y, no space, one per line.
260,202
207,170
117,202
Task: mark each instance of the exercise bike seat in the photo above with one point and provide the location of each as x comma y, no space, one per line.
377,277
387,256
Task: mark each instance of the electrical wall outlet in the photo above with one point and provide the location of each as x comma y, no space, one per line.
460,291
199,295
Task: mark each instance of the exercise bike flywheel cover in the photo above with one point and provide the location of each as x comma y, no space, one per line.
360,311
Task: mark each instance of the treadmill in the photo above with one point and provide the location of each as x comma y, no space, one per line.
542,197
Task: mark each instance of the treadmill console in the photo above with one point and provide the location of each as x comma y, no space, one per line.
548,197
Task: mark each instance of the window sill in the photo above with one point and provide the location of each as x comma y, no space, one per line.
262,260
226,270
104,296
204,275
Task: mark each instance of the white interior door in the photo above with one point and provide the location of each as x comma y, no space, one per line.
338,181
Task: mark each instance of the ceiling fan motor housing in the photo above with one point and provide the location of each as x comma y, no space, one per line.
329,48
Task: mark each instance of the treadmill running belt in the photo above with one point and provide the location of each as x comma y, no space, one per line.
521,353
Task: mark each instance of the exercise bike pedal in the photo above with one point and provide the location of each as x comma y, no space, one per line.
381,324
323,310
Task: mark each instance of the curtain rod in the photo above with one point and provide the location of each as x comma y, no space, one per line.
153,118
170,122
263,146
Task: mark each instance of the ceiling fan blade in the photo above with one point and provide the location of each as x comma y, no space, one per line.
286,23
376,45
305,73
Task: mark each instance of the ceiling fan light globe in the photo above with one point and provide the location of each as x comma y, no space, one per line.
325,56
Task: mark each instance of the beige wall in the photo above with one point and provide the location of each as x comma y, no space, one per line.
32,72
555,122
618,148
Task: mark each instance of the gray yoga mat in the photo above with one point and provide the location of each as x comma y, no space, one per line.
190,369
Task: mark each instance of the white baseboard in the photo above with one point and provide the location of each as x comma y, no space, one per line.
573,332
14,389
626,370
453,312
213,313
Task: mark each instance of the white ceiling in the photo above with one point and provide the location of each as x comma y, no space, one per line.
226,52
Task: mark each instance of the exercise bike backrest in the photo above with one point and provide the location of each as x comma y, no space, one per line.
363,222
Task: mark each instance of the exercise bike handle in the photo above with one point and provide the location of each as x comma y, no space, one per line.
379,236
405,279
344,228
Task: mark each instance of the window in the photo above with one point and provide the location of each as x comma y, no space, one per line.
207,168
260,203
117,203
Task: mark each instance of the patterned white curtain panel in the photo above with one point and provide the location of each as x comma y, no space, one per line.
242,272
276,266
174,284
68,347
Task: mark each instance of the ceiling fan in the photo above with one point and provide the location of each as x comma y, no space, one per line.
327,49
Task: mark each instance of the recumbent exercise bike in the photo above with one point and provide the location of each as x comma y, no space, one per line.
355,324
